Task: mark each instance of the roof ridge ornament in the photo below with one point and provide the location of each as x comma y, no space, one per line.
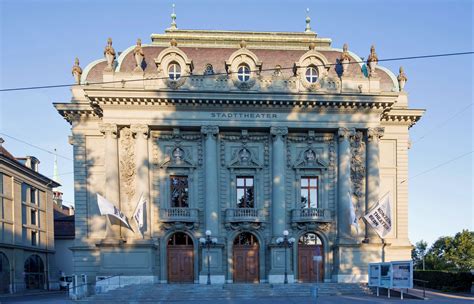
345,59
77,71
243,44
109,54
173,43
402,79
308,21
372,61
139,56
173,20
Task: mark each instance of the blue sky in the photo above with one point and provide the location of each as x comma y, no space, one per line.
40,39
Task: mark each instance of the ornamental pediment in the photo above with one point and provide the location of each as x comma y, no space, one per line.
244,158
177,157
309,159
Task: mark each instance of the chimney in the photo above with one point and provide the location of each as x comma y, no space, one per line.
32,163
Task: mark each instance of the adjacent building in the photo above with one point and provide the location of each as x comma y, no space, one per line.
244,134
26,225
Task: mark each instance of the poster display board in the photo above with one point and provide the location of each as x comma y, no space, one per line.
396,274
402,276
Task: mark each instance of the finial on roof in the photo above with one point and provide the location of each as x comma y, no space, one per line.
173,19
402,79
139,55
345,59
173,42
243,44
77,71
109,54
372,61
312,45
308,21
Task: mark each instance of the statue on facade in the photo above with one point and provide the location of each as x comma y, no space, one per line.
372,61
109,54
139,56
402,79
345,60
77,71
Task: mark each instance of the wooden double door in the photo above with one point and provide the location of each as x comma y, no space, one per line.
307,270
246,263
180,264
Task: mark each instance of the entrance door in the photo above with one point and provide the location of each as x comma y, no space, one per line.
246,259
180,259
310,245
4,274
34,272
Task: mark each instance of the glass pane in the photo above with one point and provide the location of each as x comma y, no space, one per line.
32,196
313,198
240,198
313,182
249,181
179,191
304,182
240,182
250,198
24,191
304,198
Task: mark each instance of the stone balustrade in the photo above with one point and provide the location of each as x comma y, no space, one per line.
189,215
244,215
311,215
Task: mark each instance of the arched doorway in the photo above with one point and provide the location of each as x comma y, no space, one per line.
4,274
180,258
309,268
34,272
246,262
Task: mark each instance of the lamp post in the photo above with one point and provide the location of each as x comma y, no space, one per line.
207,242
287,243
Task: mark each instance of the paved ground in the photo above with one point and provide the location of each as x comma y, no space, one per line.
434,298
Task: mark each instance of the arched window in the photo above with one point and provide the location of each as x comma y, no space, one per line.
243,73
180,238
34,272
310,239
312,74
245,238
174,71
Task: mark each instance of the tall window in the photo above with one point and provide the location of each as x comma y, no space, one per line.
309,192
34,238
174,71
245,197
24,192
33,217
33,194
179,191
243,73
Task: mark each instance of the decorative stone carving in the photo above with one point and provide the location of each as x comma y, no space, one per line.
279,131
108,129
178,157
109,54
345,60
209,130
243,44
180,226
312,226
243,56
208,70
139,56
77,71
374,134
402,79
358,166
127,163
372,61
173,55
345,133
244,158
173,43
309,159
242,226
140,130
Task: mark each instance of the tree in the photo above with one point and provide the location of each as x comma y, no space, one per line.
418,254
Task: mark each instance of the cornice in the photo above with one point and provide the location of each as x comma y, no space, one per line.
403,116
73,111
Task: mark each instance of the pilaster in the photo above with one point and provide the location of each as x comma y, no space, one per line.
278,180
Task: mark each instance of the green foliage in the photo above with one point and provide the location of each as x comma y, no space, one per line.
444,280
418,253
447,253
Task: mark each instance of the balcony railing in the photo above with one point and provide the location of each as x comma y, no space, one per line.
189,215
244,215
311,215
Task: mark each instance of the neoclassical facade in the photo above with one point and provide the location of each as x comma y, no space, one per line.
244,134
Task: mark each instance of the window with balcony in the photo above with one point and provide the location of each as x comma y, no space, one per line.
179,191
245,192
309,192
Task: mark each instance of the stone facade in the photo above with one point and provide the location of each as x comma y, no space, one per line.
210,108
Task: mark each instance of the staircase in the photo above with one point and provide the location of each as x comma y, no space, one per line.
190,292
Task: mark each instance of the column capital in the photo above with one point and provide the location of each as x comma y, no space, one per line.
345,133
140,130
108,129
279,131
374,134
209,130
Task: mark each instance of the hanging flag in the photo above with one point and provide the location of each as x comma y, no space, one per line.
107,208
139,214
354,222
380,218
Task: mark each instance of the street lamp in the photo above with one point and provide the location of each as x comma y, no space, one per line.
287,243
207,242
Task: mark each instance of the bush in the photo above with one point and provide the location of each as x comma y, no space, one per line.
444,280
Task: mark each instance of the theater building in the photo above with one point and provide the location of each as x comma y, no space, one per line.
245,134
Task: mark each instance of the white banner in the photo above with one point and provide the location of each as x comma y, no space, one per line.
138,215
107,208
353,218
380,218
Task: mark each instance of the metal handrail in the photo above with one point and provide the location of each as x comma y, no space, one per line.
86,284
424,286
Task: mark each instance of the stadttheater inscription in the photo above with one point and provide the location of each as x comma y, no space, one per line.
245,116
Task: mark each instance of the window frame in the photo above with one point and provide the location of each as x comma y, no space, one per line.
245,74
170,178
308,188
244,187
312,76
176,73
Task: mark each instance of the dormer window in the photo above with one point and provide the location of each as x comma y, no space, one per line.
312,74
174,71
243,73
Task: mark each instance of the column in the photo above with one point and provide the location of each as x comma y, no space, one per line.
373,177
141,133
111,164
344,185
278,180
211,167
